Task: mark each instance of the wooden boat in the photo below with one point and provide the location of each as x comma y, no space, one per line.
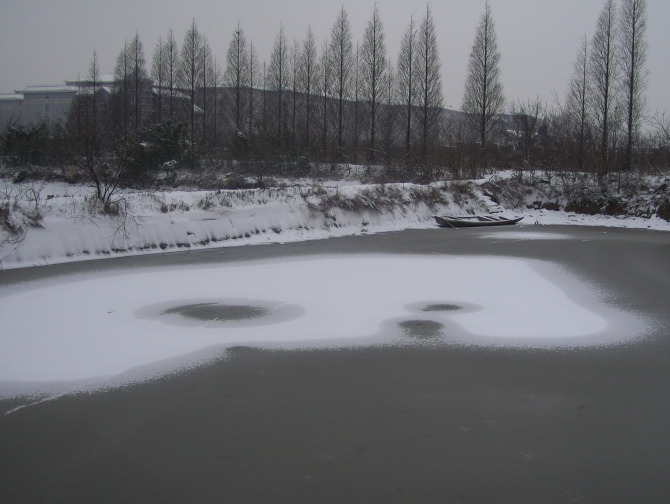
474,221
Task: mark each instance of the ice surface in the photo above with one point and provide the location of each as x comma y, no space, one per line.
106,323
516,235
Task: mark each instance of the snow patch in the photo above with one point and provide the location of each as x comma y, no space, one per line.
98,324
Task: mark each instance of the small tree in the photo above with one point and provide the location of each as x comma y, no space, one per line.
528,117
88,127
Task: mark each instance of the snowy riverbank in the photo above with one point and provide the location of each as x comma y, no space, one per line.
57,222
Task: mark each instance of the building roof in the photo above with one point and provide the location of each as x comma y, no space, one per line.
104,79
11,97
56,88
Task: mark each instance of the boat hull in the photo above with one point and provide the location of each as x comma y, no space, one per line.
460,222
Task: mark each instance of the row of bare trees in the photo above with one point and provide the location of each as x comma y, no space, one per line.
605,104
343,102
350,102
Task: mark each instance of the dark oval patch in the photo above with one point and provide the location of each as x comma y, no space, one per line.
441,308
422,329
217,312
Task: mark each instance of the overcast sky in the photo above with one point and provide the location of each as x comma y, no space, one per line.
49,41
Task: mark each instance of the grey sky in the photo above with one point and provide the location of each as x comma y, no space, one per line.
49,41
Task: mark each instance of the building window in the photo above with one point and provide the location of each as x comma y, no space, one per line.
46,96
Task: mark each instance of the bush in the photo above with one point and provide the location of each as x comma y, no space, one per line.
25,145
153,148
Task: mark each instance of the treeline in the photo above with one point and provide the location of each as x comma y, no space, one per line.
348,101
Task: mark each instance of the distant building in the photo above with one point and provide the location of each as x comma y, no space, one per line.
35,104
44,103
10,109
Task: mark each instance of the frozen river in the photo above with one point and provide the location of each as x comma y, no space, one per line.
525,365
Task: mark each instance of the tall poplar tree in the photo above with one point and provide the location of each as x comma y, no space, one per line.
172,69
278,77
159,74
604,70
577,105
374,73
307,82
406,78
191,70
325,90
341,59
484,99
236,75
633,26
429,83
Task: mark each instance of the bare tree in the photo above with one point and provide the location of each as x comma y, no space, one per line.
172,66
604,70
237,73
341,59
391,112
528,117
209,78
88,129
307,74
278,77
264,108
159,73
253,72
429,82
216,74
191,70
357,99
132,87
660,124
373,70
406,78
294,60
577,106
483,99
633,44
325,85
139,76
122,75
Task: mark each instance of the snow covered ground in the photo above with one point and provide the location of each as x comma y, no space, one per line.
157,221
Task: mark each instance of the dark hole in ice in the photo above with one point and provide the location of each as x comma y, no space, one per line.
422,329
441,307
217,312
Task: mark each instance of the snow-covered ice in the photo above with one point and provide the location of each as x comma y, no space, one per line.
104,323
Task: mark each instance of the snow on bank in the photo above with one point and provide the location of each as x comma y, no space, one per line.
103,324
175,220
163,221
